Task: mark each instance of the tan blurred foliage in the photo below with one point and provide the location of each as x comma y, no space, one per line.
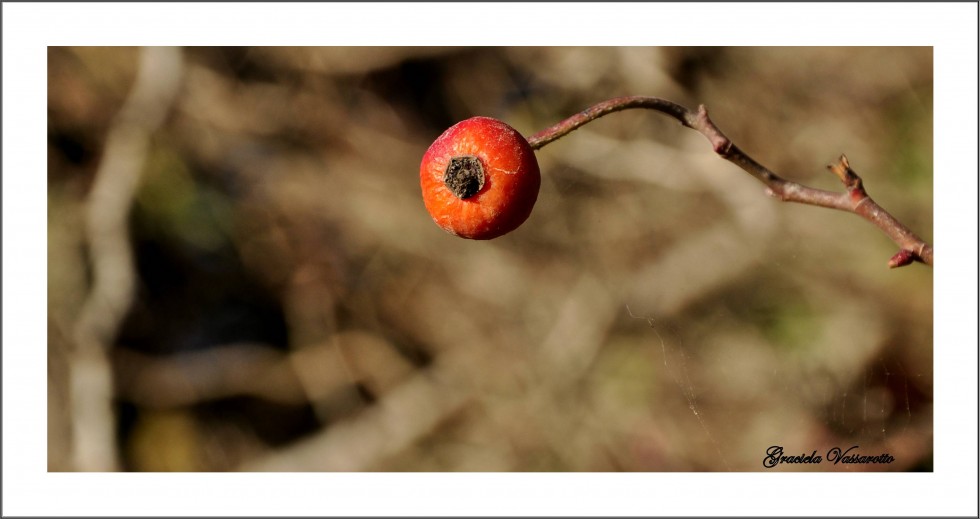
296,308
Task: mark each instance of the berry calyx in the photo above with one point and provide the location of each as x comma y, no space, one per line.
464,176
480,179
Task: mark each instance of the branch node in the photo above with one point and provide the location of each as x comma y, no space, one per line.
722,146
862,198
847,176
902,258
719,142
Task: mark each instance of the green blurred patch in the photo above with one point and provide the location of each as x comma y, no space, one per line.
176,206
789,325
773,306
625,373
910,139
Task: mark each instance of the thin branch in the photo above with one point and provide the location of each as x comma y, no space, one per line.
854,200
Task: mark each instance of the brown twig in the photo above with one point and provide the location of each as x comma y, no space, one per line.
854,200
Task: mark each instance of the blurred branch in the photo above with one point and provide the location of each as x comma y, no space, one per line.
191,378
406,409
107,213
311,374
415,407
854,200
397,421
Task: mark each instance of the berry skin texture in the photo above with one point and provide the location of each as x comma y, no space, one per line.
480,179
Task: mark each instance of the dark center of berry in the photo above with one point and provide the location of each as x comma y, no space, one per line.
464,176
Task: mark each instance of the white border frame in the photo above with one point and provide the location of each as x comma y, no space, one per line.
29,490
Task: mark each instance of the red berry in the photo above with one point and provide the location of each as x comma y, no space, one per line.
480,179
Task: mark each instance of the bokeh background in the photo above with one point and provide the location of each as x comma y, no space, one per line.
242,275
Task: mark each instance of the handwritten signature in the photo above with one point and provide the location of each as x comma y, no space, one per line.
776,456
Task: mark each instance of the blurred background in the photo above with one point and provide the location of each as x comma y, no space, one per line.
242,275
